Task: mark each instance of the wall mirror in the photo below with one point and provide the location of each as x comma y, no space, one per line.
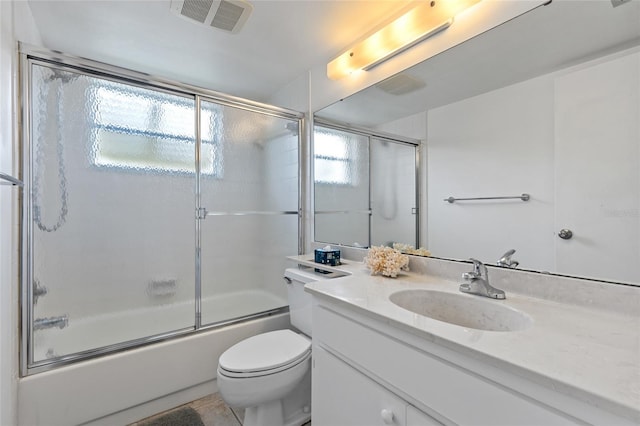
546,104
365,187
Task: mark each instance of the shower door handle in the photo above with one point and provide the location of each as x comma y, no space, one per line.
201,213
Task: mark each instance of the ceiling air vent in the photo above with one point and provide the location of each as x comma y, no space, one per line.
227,15
400,84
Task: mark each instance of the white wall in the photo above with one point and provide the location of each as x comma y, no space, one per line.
499,143
571,140
16,23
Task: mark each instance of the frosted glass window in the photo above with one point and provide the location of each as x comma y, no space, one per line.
147,130
332,158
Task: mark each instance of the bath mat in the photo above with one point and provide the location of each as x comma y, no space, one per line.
182,417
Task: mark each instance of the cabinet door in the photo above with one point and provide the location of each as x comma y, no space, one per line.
343,396
416,417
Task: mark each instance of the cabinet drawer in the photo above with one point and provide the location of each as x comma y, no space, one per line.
462,396
416,417
345,397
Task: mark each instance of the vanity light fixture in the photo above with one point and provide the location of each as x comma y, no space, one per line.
418,24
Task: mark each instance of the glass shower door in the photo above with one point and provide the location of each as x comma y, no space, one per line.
341,187
249,210
111,212
393,193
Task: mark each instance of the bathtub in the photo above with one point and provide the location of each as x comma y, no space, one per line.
123,387
83,334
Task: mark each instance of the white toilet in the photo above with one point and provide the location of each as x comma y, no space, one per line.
269,374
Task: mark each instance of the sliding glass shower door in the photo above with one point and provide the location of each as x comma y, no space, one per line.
249,210
137,227
112,177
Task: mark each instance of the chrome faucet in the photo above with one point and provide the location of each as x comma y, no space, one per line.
51,322
478,282
506,261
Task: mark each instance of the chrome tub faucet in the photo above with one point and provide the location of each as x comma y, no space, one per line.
506,261
478,282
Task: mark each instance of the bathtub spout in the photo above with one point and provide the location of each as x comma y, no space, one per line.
51,322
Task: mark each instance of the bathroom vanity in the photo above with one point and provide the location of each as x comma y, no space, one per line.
555,360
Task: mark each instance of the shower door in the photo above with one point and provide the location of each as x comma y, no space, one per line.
393,193
249,210
112,170
365,187
150,211
341,187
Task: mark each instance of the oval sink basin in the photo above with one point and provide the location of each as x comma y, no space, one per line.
463,310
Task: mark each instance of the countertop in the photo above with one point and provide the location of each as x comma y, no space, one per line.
590,354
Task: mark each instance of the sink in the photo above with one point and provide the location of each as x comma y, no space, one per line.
463,310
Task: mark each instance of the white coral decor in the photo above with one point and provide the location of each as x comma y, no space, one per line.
386,261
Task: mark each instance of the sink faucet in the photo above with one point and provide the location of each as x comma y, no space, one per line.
506,261
478,282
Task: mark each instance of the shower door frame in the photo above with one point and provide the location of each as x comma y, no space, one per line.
56,60
369,134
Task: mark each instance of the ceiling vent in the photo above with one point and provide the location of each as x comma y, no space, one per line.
400,84
227,15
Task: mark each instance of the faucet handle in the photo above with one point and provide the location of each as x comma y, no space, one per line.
506,261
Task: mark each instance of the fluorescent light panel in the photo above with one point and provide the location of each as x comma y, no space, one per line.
419,23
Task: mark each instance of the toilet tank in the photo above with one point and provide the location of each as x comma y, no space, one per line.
300,300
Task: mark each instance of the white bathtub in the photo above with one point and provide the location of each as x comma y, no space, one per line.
82,334
127,386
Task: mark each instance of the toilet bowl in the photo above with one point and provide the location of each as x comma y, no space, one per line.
258,373
269,375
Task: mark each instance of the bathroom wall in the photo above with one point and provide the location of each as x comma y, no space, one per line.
463,139
8,255
522,123
16,23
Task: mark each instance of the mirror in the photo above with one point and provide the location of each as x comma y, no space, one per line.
547,104
365,187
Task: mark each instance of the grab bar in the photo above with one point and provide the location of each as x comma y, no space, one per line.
10,180
523,197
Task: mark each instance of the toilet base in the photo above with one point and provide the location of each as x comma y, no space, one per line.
273,414
293,410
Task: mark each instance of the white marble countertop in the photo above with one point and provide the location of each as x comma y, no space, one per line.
590,354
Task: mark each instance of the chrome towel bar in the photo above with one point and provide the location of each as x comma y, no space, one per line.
523,197
9,180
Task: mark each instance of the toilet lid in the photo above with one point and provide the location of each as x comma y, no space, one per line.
266,351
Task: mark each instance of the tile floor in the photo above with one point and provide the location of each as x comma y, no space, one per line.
212,409
213,412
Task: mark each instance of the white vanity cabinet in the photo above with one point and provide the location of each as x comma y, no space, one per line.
347,397
368,372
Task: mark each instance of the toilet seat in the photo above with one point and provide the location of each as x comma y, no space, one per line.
264,354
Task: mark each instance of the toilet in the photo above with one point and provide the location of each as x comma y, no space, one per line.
269,374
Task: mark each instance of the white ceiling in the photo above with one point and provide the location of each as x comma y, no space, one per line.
280,42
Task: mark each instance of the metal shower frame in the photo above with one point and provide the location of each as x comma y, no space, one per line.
56,60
